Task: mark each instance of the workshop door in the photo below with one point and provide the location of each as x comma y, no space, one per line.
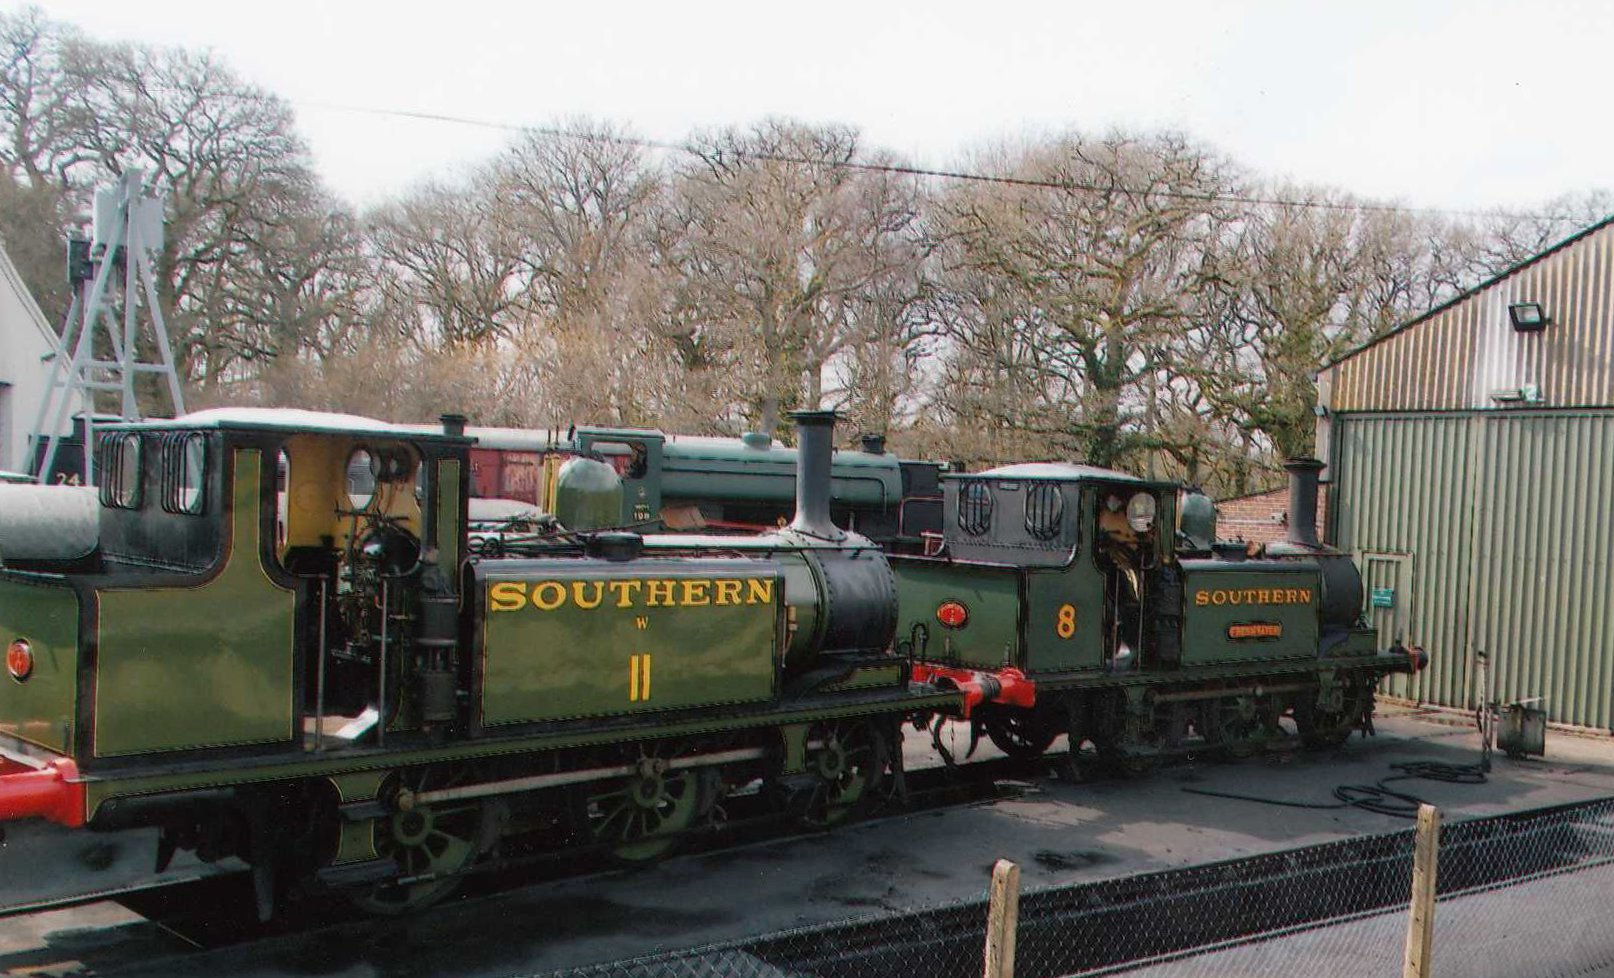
1387,605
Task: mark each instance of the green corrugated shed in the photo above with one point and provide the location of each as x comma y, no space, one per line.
1472,471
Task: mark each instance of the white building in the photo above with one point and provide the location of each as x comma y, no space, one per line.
26,344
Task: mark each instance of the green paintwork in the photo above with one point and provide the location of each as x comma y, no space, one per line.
1359,641
355,842
794,736
98,789
1217,672
450,534
40,710
991,593
641,493
727,468
868,677
1047,592
574,661
698,469
358,787
1198,519
1206,624
202,666
588,495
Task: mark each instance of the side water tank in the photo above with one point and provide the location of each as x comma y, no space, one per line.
48,522
588,495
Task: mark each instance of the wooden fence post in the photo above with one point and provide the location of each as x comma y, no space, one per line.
1421,917
1002,919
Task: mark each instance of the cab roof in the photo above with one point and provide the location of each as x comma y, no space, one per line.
1056,472
288,420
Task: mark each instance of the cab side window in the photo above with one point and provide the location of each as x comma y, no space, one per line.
119,469
975,508
1044,509
184,472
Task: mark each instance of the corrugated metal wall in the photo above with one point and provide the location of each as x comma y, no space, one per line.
1401,486
1544,577
1458,356
1508,518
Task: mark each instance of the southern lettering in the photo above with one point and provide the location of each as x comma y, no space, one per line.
629,593
1253,595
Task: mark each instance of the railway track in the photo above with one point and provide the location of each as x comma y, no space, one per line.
217,912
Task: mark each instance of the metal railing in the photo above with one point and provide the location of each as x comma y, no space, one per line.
1514,894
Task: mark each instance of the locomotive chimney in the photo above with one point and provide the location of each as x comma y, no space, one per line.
1303,480
815,432
453,424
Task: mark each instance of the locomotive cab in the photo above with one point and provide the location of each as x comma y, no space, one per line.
371,525
236,605
1046,568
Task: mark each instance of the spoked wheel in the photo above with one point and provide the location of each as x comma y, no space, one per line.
1164,731
1238,726
1331,728
430,843
846,761
642,816
1022,736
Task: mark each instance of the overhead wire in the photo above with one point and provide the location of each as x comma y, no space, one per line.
900,169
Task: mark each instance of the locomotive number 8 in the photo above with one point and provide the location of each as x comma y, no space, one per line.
1065,623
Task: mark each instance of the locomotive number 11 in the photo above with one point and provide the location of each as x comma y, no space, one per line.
1065,621
638,678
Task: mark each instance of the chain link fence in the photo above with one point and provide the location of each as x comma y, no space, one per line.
1519,894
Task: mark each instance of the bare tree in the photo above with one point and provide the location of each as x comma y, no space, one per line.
578,206
1061,302
1510,237
247,221
447,271
40,126
37,152
785,257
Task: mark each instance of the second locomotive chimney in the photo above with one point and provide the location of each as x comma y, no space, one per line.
1303,480
815,447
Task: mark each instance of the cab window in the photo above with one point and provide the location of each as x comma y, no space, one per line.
975,508
184,472
119,470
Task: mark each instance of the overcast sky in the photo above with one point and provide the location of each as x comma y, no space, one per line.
1438,104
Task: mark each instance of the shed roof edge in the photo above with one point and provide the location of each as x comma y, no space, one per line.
1462,297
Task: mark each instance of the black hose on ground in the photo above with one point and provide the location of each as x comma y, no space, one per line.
1377,797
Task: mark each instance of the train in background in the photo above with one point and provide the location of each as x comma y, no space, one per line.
693,483
259,660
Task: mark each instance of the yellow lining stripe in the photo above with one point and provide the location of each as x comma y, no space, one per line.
646,689
633,679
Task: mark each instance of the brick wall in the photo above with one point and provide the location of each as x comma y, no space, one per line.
1263,517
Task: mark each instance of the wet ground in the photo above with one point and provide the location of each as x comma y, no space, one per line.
1057,832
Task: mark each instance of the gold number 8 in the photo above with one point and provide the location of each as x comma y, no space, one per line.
1065,625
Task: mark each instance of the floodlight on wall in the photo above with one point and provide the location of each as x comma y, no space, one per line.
1527,317
1527,394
